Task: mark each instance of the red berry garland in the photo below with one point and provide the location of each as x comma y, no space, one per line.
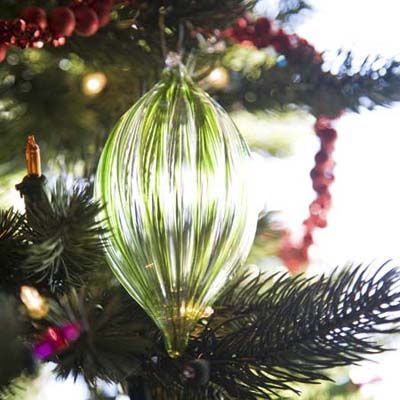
261,33
34,15
35,28
62,21
87,21
295,256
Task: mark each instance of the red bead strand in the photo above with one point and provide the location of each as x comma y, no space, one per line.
35,28
295,255
262,33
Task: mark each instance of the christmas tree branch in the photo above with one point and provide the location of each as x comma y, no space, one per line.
323,92
63,236
291,8
12,248
299,327
376,82
116,334
266,335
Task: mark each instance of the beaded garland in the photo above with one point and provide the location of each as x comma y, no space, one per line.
262,33
34,28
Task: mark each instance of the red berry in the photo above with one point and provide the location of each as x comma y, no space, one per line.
14,37
18,25
304,53
241,37
249,30
294,258
322,123
321,157
308,224
3,52
262,42
320,187
293,264
327,134
229,32
325,200
35,15
316,173
87,22
108,3
319,221
241,23
262,26
62,21
281,41
55,338
308,239
301,41
103,10
315,208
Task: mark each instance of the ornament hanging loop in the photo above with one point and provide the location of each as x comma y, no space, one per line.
172,58
161,25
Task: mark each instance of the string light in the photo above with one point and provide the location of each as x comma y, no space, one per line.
94,83
218,78
32,156
35,303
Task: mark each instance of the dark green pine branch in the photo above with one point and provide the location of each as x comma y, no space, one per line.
375,83
322,91
12,249
266,335
117,338
299,327
288,9
64,239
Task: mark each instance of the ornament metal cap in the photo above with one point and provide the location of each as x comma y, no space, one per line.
173,60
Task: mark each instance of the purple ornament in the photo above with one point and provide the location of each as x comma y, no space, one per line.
43,350
71,331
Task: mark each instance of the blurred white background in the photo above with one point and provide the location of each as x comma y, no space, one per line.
364,222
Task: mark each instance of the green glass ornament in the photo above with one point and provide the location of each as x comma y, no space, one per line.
173,177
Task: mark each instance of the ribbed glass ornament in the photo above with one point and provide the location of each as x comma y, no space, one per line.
174,180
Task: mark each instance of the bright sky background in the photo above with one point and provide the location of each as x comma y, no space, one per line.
365,218
365,221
